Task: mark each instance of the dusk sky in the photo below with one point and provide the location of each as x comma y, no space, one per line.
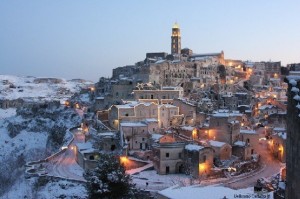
87,39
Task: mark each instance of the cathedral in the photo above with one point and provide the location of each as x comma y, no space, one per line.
181,67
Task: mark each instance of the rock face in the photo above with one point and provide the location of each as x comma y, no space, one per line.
293,145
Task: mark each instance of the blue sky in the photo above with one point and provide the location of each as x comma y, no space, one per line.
87,39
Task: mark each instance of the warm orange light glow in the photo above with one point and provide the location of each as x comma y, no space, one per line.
280,149
202,168
67,103
194,133
92,89
259,104
77,106
123,160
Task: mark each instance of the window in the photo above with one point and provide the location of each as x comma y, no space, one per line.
143,139
167,155
112,147
179,155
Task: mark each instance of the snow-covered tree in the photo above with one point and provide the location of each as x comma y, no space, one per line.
109,180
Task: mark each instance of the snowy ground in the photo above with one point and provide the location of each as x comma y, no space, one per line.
5,113
24,142
65,165
26,188
159,182
36,89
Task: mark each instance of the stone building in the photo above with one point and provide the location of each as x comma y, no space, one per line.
156,55
135,134
278,146
222,150
140,111
198,160
224,127
166,113
242,150
161,96
188,110
86,155
132,112
168,155
171,156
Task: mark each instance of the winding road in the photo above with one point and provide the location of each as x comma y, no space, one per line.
65,165
270,167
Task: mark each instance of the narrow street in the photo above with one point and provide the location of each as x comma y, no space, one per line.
65,165
270,166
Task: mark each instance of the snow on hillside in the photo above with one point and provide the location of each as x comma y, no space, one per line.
32,188
5,113
29,133
36,89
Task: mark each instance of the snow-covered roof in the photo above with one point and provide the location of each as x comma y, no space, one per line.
226,113
167,106
132,124
160,61
85,147
149,120
246,131
282,135
239,143
216,143
279,129
213,191
235,122
193,147
263,107
107,134
156,136
187,128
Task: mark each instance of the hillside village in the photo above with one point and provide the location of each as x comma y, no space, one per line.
203,117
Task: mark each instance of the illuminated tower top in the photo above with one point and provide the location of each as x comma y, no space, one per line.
175,39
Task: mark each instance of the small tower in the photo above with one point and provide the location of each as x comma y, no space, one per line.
175,39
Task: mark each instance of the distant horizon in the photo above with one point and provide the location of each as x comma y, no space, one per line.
76,40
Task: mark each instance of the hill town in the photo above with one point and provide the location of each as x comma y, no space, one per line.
181,124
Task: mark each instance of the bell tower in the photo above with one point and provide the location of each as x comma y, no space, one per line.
175,39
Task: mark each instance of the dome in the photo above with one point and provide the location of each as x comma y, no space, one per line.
176,25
